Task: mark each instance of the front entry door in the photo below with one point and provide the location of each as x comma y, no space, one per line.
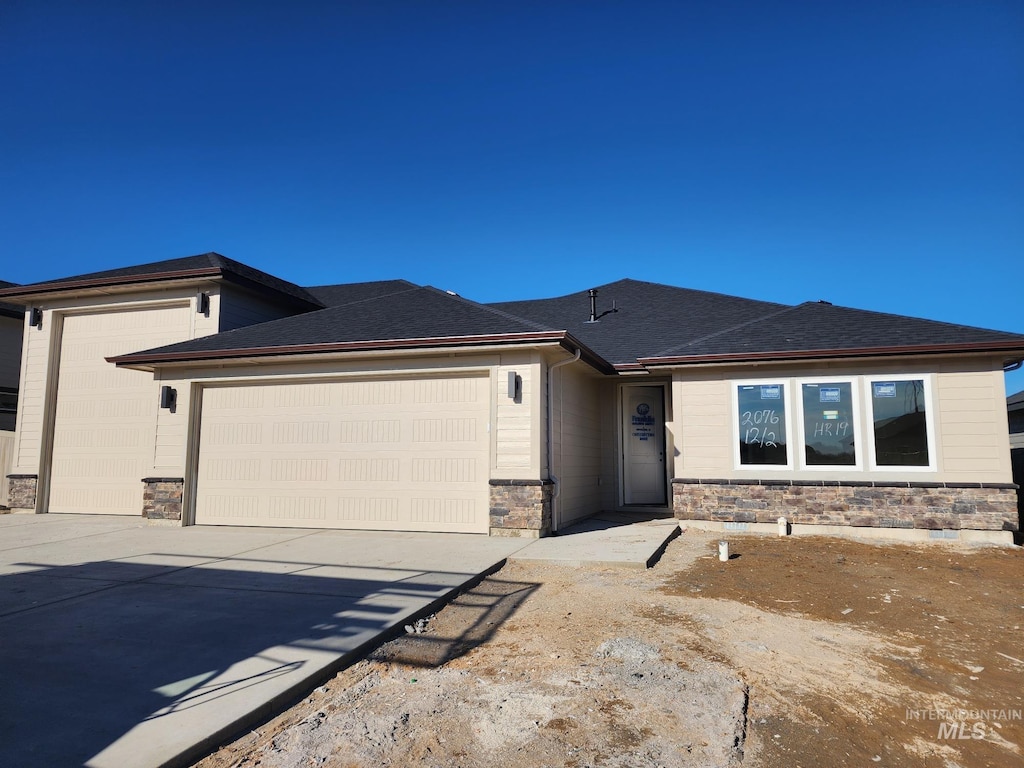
643,445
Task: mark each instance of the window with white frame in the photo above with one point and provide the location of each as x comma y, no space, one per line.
899,418
761,413
828,414
831,430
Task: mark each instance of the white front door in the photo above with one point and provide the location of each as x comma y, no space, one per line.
643,445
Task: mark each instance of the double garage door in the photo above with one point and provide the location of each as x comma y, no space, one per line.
389,454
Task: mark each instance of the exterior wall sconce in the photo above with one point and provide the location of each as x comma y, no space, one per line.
168,397
515,386
203,304
35,317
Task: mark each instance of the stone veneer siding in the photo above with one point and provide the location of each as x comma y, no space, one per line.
520,507
21,491
934,506
161,498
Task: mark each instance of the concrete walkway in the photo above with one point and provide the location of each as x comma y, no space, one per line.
125,644
610,540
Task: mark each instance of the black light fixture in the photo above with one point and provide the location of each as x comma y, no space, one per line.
168,396
515,386
35,317
203,304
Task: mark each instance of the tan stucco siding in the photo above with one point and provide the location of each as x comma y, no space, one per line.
41,349
973,426
967,419
702,426
576,442
240,308
517,433
32,396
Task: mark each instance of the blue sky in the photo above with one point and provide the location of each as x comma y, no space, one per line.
870,154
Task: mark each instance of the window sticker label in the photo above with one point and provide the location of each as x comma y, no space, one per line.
885,389
643,423
828,394
771,391
830,415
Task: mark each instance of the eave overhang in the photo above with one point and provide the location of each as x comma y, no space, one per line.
25,294
1010,347
150,361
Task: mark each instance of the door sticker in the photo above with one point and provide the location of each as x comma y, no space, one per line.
643,423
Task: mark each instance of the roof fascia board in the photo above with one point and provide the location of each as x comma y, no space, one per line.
327,356
27,293
148,362
73,287
978,348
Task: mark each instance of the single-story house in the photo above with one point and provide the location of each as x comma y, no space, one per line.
12,319
1015,415
204,391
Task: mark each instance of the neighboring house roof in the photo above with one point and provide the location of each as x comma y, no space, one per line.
10,310
819,329
648,317
191,267
1015,402
414,318
346,293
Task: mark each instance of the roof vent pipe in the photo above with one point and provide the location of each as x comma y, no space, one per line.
593,305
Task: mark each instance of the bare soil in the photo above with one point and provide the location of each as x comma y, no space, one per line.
796,652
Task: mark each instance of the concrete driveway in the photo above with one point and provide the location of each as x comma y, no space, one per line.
124,644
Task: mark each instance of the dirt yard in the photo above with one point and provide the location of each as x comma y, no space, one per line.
796,652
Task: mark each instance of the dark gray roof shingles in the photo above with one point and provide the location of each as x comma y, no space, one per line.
819,326
649,317
346,293
416,313
10,310
213,261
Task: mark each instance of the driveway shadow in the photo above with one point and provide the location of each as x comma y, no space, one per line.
124,663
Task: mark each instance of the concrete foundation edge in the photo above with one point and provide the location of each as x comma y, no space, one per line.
910,535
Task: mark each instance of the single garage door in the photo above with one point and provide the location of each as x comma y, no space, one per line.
394,454
106,416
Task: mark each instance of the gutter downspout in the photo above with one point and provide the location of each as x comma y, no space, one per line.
549,438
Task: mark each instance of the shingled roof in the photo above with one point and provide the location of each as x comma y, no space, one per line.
10,310
639,324
204,265
346,293
413,318
819,329
647,317
1016,402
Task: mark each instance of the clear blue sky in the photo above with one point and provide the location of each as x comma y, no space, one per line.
867,153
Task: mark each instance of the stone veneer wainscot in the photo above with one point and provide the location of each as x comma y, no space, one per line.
21,491
161,498
933,506
521,507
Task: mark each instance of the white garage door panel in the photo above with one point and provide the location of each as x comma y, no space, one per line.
407,455
106,416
